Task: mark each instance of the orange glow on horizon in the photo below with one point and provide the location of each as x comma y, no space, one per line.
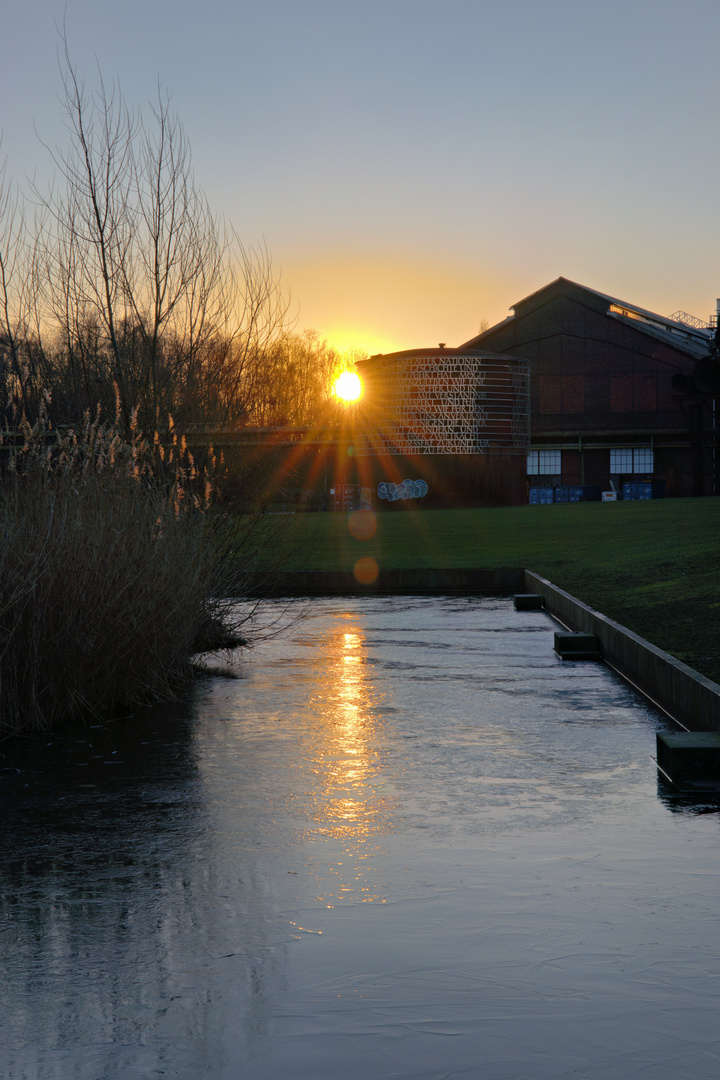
357,344
344,295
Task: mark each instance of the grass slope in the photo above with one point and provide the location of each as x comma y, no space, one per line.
653,566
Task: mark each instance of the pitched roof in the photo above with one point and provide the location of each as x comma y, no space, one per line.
682,335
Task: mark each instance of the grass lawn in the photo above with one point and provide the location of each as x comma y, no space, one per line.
653,566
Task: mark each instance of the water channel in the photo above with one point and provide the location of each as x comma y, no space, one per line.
408,843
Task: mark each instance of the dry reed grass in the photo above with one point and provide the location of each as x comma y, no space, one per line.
108,572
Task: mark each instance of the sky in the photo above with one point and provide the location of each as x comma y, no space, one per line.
417,166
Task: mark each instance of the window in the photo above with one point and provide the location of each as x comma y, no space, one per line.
621,461
543,463
643,460
631,460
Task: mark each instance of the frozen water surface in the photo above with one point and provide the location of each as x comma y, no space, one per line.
408,843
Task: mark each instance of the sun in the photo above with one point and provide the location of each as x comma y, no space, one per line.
348,386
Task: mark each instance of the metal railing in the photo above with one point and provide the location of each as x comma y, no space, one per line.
691,320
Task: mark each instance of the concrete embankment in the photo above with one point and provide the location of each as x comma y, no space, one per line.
450,582
687,696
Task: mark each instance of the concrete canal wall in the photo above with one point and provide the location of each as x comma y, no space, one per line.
452,582
689,697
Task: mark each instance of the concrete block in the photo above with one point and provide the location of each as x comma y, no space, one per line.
690,759
576,646
527,601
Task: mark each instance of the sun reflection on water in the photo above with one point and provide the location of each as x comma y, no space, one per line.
350,807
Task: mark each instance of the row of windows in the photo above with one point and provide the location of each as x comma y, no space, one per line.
626,459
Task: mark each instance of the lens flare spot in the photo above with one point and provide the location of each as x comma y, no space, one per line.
348,386
366,570
362,524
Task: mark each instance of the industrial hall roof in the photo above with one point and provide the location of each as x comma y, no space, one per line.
680,330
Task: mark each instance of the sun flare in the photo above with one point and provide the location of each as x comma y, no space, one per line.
348,386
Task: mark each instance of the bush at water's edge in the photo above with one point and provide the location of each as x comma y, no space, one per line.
108,573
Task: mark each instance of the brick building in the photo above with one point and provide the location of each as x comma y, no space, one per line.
575,394
612,398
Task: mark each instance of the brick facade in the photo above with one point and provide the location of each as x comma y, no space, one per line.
600,378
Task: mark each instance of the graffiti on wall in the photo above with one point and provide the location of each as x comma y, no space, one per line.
407,489
447,404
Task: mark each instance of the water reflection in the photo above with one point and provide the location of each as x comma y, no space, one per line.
686,802
343,757
350,807
120,926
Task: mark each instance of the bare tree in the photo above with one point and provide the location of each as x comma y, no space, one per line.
140,299
89,236
155,300
295,382
16,296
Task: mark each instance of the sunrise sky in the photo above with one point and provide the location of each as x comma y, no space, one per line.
416,166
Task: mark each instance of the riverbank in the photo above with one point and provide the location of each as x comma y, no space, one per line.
652,566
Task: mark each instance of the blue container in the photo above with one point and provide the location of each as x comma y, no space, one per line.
637,489
539,495
568,493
